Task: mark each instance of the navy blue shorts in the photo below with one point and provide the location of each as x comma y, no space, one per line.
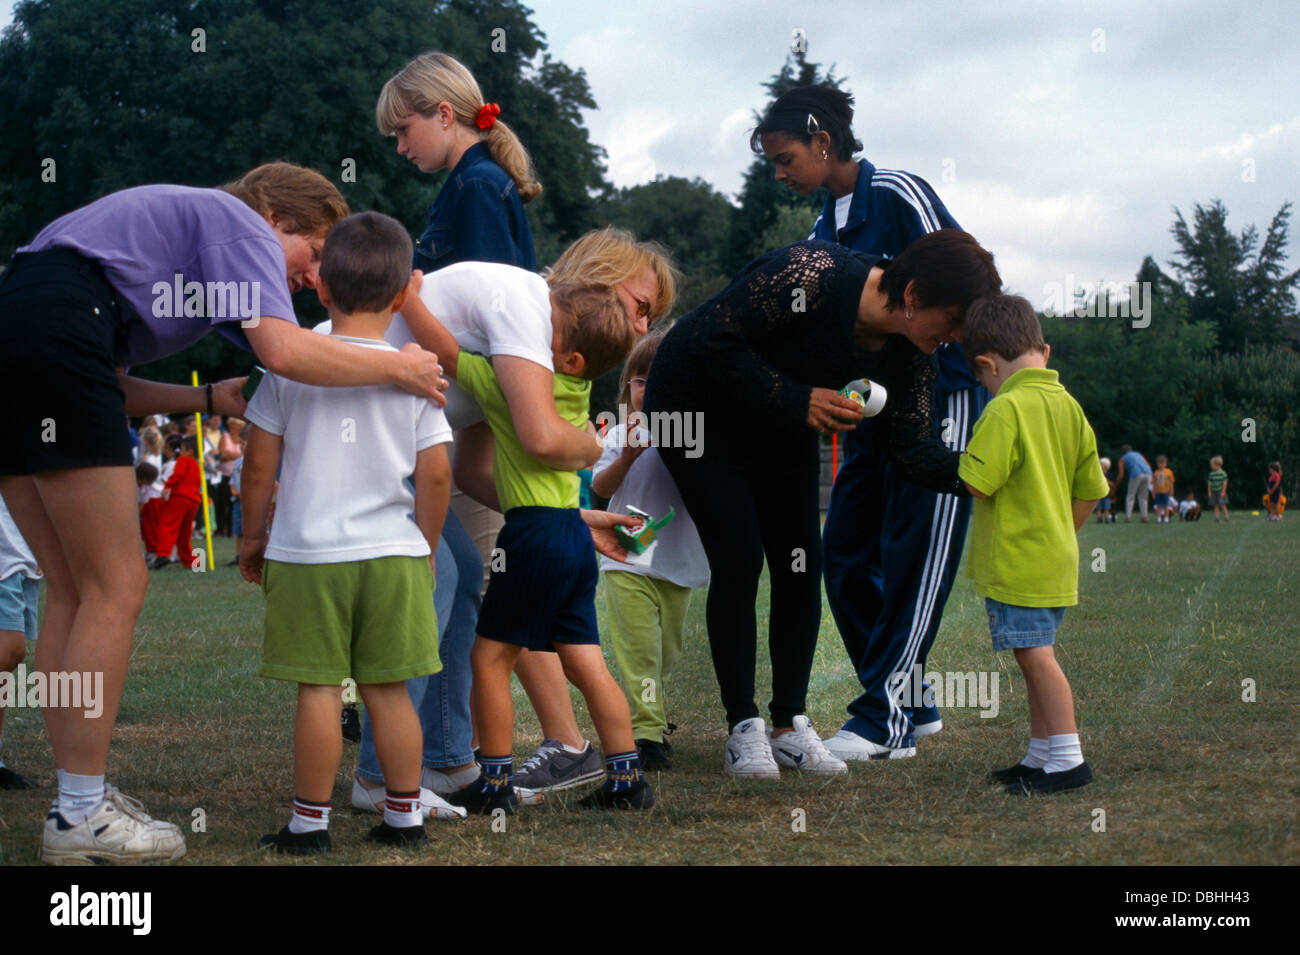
543,585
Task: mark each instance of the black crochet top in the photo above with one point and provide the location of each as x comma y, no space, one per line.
749,358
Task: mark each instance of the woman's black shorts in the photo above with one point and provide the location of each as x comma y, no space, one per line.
60,402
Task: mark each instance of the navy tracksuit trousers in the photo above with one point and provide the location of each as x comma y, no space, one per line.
891,553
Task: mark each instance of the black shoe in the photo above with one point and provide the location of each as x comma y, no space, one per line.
11,780
476,800
668,731
406,838
351,722
638,796
233,563
1041,783
160,562
296,843
654,755
1012,774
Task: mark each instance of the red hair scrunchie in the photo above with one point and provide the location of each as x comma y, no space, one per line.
487,115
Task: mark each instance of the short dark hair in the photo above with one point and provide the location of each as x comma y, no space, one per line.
1004,325
949,268
597,327
366,262
145,473
807,110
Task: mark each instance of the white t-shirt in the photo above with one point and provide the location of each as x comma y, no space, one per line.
15,556
842,205
1185,506
489,308
160,482
347,454
678,554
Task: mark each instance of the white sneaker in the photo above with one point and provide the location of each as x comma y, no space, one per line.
748,754
432,805
803,749
119,830
926,729
852,747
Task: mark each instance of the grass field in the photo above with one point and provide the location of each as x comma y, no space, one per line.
1157,652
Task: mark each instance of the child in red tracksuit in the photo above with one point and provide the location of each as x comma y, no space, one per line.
181,498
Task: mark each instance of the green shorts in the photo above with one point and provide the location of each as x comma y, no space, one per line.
371,620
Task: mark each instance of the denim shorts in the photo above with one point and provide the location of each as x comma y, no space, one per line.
1013,627
19,600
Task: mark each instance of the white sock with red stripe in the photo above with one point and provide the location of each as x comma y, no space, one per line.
402,810
309,816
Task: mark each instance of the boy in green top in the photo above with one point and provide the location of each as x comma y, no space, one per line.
1032,466
542,594
1216,486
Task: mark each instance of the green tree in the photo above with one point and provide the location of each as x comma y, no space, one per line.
1233,281
125,92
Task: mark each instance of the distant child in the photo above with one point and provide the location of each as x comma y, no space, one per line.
145,475
1275,491
1162,486
1217,487
1188,508
544,598
1105,511
181,497
348,567
236,508
1032,465
20,587
647,601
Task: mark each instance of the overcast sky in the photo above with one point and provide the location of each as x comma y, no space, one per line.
1061,135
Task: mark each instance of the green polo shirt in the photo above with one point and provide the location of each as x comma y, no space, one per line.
1033,453
521,480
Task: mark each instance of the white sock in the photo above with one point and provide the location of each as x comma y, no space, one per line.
309,816
78,795
1036,758
1066,753
569,749
402,812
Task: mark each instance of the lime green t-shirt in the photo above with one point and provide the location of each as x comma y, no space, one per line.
521,480
1033,452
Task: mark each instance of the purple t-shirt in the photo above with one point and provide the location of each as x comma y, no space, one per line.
183,261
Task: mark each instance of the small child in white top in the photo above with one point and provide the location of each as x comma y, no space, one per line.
348,565
646,603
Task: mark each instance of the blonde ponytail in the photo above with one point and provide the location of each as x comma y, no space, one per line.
433,78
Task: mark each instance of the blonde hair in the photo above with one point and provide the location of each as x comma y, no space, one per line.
433,78
1216,461
151,440
596,327
611,257
304,201
637,365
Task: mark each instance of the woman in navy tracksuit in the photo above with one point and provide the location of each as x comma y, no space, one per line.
891,546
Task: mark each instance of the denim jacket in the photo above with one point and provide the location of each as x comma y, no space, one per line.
477,217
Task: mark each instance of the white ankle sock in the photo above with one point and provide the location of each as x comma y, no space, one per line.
309,816
79,795
1066,753
1036,758
575,752
402,812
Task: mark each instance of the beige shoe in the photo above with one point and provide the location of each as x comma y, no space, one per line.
118,831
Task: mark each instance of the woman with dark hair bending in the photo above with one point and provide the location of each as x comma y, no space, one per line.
763,362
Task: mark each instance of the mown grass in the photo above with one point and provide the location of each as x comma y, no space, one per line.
1187,772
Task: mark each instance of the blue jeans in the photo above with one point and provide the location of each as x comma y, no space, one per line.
442,700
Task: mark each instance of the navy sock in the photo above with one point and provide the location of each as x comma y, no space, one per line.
622,771
496,771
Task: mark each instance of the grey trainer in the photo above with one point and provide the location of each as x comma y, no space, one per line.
553,767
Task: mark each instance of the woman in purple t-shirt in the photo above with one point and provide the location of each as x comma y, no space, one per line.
130,278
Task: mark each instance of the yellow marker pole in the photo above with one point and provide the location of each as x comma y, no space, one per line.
203,480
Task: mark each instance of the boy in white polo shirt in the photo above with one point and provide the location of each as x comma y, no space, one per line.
348,566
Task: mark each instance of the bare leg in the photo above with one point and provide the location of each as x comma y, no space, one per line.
584,665
83,526
317,744
542,677
490,698
1051,704
399,742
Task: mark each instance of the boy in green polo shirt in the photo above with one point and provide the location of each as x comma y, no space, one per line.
542,594
1032,466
